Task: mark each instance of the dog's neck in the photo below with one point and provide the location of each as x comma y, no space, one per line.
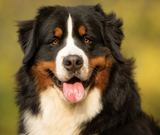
59,117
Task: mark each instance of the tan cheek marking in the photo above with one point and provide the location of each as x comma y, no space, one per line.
82,30
41,75
102,78
99,63
58,32
104,65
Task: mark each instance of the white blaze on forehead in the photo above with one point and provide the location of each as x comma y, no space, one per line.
70,49
70,28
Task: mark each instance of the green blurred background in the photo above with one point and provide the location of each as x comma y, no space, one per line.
142,41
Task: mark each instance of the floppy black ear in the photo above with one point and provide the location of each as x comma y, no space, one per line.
113,33
28,32
26,39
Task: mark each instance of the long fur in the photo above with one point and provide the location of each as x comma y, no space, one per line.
120,113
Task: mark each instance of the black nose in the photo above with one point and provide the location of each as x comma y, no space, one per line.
72,62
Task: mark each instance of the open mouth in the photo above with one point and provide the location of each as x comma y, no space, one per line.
74,89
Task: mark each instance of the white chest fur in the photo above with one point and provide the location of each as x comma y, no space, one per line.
58,117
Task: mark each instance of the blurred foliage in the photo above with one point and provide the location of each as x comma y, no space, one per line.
142,41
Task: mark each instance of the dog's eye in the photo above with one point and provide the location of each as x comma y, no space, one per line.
55,41
86,40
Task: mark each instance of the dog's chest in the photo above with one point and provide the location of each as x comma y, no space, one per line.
59,118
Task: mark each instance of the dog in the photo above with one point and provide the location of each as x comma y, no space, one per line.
74,79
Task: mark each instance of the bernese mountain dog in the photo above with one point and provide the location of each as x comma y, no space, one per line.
73,79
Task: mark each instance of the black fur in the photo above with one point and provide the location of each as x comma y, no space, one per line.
27,97
121,114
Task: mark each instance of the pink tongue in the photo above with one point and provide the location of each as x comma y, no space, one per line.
73,92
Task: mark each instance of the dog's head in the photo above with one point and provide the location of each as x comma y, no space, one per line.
71,49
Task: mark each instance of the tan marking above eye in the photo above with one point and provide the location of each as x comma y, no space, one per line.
82,30
58,32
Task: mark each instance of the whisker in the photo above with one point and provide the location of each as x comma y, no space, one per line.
94,72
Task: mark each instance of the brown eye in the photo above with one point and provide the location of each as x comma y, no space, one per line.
86,40
55,41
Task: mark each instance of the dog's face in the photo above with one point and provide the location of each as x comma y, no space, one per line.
71,49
